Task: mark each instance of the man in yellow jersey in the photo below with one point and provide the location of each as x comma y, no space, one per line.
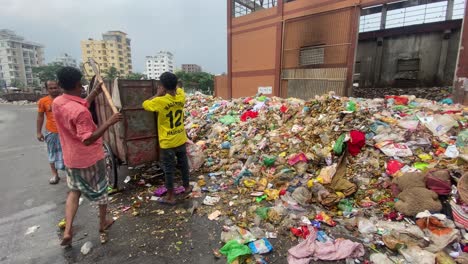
169,104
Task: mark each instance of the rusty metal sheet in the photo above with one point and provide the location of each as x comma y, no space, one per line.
140,127
135,140
142,151
139,123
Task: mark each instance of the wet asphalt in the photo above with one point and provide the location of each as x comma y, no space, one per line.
28,200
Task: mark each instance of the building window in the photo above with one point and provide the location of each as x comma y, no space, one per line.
121,65
311,55
408,65
89,52
87,45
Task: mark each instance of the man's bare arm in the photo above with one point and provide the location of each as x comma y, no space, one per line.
39,124
100,131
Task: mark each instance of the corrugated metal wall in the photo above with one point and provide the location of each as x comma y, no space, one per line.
329,34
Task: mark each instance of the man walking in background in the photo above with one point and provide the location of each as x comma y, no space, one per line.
51,137
83,152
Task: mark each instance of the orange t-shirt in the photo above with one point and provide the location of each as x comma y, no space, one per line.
45,106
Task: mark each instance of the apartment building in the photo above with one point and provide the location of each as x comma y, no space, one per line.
17,58
191,68
65,59
155,65
112,51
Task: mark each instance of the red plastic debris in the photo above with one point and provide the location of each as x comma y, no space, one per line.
357,141
247,115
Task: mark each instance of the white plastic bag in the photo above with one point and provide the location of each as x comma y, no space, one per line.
195,156
440,124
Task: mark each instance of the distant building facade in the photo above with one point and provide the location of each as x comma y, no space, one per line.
191,68
65,59
17,58
112,51
162,62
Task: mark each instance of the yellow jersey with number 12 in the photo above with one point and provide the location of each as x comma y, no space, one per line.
170,110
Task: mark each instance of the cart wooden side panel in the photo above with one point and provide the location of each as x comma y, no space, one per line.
135,140
114,136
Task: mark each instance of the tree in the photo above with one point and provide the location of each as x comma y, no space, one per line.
135,76
46,72
111,73
197,81
17,83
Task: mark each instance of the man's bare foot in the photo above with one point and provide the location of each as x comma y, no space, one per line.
66,240
106,225
188,189
168,201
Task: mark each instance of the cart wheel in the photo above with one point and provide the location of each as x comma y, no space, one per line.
111,166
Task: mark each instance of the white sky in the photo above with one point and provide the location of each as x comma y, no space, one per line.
194,30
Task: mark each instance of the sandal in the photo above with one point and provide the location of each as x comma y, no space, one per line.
179,190
160,191
54,180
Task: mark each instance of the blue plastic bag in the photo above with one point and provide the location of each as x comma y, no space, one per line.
260,246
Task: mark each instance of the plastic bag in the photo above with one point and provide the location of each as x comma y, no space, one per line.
262,212
228,119
195,156
417,255
269,160
366,226
339,144
462,141
261,246
234,249
440,124
392,149
302,195
409,124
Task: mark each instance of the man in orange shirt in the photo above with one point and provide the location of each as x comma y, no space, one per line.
51,137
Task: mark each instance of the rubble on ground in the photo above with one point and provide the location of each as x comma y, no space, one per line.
430,93
22,102
380,179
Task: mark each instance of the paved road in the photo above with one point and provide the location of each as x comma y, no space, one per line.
26,198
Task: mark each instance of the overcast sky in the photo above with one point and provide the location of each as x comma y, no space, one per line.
194,30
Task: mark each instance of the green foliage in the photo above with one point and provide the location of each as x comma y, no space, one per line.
135,76
198,81
17,83
111,73
46,72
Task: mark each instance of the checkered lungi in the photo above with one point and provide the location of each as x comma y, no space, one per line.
92,182
54,150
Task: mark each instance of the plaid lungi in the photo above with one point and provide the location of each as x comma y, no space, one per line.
54,150
92,182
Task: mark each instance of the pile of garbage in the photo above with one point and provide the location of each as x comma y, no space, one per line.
389,173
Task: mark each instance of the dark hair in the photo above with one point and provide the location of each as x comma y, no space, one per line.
68,77
45,83
168,80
